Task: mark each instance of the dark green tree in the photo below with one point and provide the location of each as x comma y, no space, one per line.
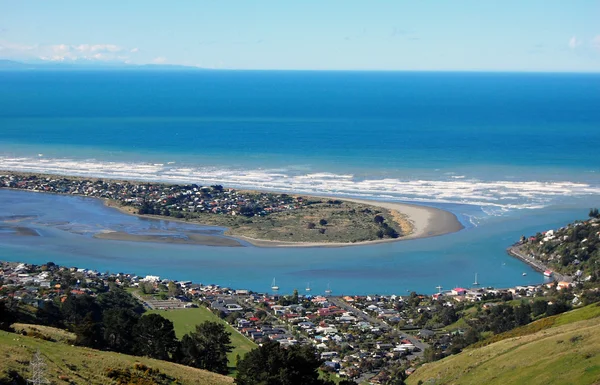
118,298
49,314
154,336
271,364
391,232
323,222
88,332
207,347
77,307
539,307
119,324
8,313
522,314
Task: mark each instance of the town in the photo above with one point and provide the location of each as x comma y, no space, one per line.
160,199
363,338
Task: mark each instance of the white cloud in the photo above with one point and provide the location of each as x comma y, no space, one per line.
596,42
65,52
574,42
159,60
134,50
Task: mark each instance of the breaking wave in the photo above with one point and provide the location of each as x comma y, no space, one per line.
494,197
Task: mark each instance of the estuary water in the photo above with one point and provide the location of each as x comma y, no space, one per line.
509,154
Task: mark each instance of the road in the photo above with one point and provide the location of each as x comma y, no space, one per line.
515,251
339,302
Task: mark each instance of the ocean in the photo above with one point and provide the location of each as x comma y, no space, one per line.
508,153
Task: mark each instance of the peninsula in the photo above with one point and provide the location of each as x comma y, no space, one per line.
260,218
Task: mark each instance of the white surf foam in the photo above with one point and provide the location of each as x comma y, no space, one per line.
496,197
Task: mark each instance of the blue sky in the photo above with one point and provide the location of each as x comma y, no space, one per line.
331,35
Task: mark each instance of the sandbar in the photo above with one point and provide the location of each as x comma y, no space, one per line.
190,238
426,222
20,231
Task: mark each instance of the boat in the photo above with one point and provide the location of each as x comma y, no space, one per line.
328,291
274,286
524,274
475,283
307,286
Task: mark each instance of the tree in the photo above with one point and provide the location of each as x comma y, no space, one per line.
154,337
523,314
323,222
247,211
207,347
539,307
311,225
49,314
88,332
77,307
391,232
117,298
271,364
8,313
379,219
118,329
594,213
174,289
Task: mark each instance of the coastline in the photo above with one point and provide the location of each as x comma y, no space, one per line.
426,221
515,251
414,220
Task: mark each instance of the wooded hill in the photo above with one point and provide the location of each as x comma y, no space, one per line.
572,250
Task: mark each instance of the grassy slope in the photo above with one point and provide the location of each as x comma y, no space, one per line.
567,352
49,333
86,366
185,321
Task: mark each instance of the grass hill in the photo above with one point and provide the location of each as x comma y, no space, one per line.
66,364
563,349
185,321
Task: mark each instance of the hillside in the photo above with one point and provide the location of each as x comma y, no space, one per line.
185,321
557,350
75,365
573,249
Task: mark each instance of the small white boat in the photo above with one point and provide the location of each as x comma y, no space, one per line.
308,286
328,291
524,274
274,286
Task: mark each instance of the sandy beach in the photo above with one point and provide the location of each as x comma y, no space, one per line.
426,222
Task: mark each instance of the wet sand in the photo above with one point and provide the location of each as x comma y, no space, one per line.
19,231
193,239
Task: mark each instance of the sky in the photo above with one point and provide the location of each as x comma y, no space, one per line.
460,35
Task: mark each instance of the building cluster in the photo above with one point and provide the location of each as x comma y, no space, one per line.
358,337
161,199
571,251
34,284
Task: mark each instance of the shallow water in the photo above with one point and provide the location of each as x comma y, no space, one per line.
420,265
